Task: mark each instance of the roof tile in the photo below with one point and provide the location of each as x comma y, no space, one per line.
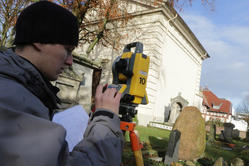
216,104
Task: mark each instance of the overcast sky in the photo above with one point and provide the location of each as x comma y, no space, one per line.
224,33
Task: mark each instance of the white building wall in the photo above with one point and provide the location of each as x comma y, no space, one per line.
178,70
239,124
175,66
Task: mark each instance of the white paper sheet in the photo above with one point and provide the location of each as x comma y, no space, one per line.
74,120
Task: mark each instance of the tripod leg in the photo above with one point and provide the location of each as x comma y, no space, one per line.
136,148
139,158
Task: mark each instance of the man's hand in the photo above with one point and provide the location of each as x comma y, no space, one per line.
109,99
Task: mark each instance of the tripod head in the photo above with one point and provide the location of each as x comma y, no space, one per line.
130,72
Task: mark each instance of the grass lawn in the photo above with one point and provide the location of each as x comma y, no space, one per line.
155,143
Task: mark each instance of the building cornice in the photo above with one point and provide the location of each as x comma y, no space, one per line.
179,24
86,61
174,18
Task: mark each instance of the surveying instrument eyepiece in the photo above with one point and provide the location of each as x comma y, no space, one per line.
130,72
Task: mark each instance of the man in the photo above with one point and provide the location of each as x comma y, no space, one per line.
46,35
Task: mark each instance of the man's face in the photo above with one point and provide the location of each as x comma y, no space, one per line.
54,59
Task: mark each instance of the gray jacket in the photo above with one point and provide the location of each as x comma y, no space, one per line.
29,138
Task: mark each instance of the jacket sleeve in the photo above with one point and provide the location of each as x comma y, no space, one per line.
26,140
102,143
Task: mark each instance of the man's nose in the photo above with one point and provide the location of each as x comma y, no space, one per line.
69,60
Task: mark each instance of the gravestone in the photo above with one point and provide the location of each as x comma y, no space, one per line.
237,162
247,136
221,135
176,106
193,134
189,163
220,162
166,114
175,112
235,134
212,133
173,146
228,129
223,138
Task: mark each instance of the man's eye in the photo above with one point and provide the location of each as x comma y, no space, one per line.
70,50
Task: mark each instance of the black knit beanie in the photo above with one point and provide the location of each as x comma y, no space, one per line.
48,23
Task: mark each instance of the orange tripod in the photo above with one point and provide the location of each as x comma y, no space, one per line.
136,146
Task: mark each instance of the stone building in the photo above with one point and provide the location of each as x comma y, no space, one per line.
76,83
176,58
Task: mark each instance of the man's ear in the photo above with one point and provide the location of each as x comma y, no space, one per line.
38,46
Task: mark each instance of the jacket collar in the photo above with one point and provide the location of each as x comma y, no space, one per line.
23,71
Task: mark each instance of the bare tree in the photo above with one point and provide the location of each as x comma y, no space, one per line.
243,109
179,4
100,13
98,20
9,10
94,16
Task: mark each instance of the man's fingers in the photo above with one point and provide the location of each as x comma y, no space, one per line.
109,99
118,96
99,90
110,92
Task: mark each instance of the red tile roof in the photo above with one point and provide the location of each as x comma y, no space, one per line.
215,104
